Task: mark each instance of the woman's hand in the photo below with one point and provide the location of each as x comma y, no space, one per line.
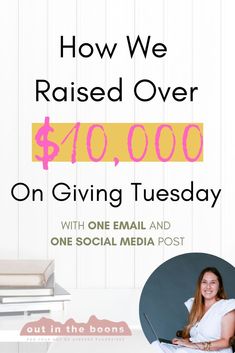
182,342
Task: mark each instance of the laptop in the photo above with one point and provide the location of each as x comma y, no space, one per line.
154,331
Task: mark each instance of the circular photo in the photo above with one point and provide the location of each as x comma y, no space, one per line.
188,305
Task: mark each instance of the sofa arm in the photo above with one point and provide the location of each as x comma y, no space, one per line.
232,341
179,333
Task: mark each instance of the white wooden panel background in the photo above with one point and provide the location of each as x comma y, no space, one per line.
199,37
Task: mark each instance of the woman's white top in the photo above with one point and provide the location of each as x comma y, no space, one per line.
209,327
205,330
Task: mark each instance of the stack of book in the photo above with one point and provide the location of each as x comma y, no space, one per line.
28,286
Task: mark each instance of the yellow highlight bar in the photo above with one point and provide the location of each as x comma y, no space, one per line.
124,142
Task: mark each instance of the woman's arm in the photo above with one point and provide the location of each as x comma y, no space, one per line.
227,331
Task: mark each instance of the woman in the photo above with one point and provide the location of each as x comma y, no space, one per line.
211,318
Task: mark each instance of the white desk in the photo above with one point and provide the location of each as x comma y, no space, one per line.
111,304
